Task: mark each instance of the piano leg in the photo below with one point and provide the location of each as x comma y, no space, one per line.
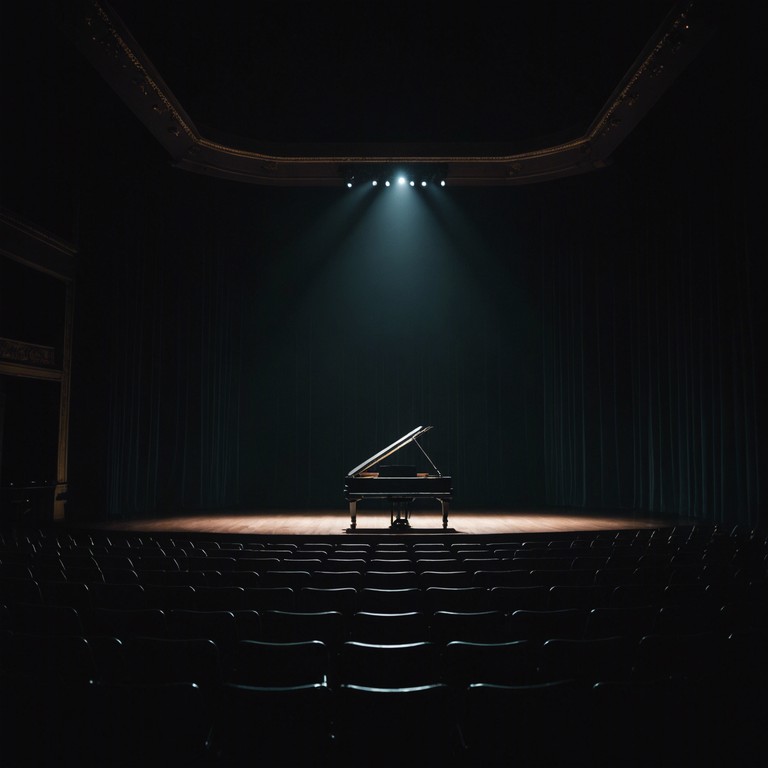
399,514
444,505
353,514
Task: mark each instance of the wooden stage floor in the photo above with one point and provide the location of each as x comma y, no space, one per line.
336,523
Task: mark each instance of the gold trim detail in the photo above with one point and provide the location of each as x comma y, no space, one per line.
29,354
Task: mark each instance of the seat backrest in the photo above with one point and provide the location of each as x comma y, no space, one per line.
419,715
389,628
587,660
547,624
264,663
294,626
513,662
390,600
457,599
488,626
151,660
389,665
342,599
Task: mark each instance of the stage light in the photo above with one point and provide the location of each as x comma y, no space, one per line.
374,183
386,183
423,183
401,180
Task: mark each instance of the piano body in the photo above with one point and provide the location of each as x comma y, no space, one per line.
400,485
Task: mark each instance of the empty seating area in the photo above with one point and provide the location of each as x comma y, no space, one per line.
632,648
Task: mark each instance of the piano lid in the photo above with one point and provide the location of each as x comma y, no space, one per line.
389,450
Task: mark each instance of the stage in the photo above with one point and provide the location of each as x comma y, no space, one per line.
337,522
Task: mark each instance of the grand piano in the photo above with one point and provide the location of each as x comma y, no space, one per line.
400,484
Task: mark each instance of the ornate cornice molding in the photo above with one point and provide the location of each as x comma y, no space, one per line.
33,246
111,48
25,353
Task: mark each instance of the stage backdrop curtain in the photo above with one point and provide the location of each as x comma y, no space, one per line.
652,349
172,410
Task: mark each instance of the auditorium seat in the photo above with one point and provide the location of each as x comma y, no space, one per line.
628,621
538,725
219,626
294,563
150,660
577,596
74,594
125,623
155,562
543,625
587,660
680,656
153,725
238,578
337,578
270,598
39,658
257,563
383,727
341,599
590,562
174,578
120,576
512,662
388,665
47,570
19,589
15,569
637,594
269,663
220,599
120,596
509,599
389,579
635,724
503,578
278,726
45,619
456,599
474,626
398,564
376,600
389,628
287,578
330,627
457,578
686,618
551,577
209,563
422,564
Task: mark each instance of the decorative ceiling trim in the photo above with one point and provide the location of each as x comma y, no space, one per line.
117,56
32,246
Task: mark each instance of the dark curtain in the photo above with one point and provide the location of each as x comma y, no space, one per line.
259,344
171,315
653,314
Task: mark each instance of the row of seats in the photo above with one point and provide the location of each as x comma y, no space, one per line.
372,591
301,652
533,712
357,576
334,627
143,659
556,724
31,605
